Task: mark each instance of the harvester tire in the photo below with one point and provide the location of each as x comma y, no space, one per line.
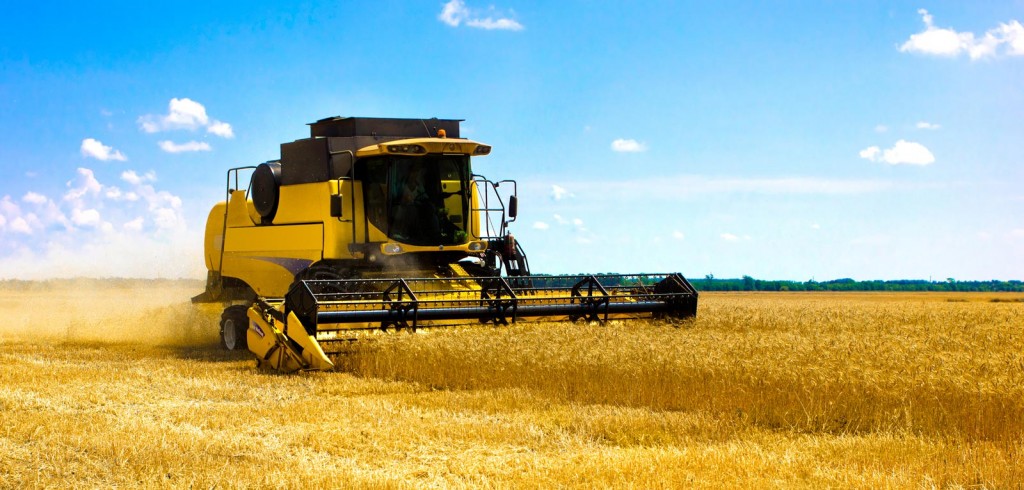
233,324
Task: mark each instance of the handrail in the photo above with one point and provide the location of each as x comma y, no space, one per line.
227,201
489,187
352,179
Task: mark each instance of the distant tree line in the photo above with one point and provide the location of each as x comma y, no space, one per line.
747,283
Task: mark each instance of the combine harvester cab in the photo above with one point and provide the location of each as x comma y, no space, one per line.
379,224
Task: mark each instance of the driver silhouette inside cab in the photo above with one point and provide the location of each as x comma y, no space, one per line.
415,217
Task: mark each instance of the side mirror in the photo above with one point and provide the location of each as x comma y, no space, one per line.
513,207
336,205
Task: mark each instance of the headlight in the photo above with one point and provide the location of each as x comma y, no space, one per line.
391,248
414,149
477,246
482,150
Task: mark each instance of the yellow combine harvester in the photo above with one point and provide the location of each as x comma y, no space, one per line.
376,224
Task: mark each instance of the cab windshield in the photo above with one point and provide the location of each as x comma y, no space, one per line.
419,200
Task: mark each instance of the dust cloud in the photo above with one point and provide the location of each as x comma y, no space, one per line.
115,311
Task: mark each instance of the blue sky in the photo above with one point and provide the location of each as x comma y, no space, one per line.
872,140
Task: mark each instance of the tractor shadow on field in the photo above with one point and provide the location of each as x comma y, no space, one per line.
211,352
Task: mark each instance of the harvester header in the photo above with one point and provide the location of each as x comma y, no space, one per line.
378,224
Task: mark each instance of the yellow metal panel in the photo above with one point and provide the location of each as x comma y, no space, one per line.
338,231
271,346
268,257
304,203
241,210
277,238
474,218
214,236
312,353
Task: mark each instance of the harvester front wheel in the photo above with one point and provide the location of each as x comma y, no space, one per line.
233,324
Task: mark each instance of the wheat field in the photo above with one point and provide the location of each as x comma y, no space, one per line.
121,384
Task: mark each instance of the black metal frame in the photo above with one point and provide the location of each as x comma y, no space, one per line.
401,308
488,186
227,201
593,305
404,303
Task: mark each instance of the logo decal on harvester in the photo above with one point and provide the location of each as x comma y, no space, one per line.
256,327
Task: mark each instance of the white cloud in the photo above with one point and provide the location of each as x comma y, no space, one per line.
815,226
908,152
558,192
12,219
221,129
984,48
87,196
46,213
628,146
135,224
114,193
92,148
172,147
881,128
870,153
34,198
85,217
133,178
950,43
678,235
927,125
455,13
1013,36
185,114
574,229
488,23
903,152
19,225
8,207
99,230
167,218
1018,232
88,185
1010,36
935,41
